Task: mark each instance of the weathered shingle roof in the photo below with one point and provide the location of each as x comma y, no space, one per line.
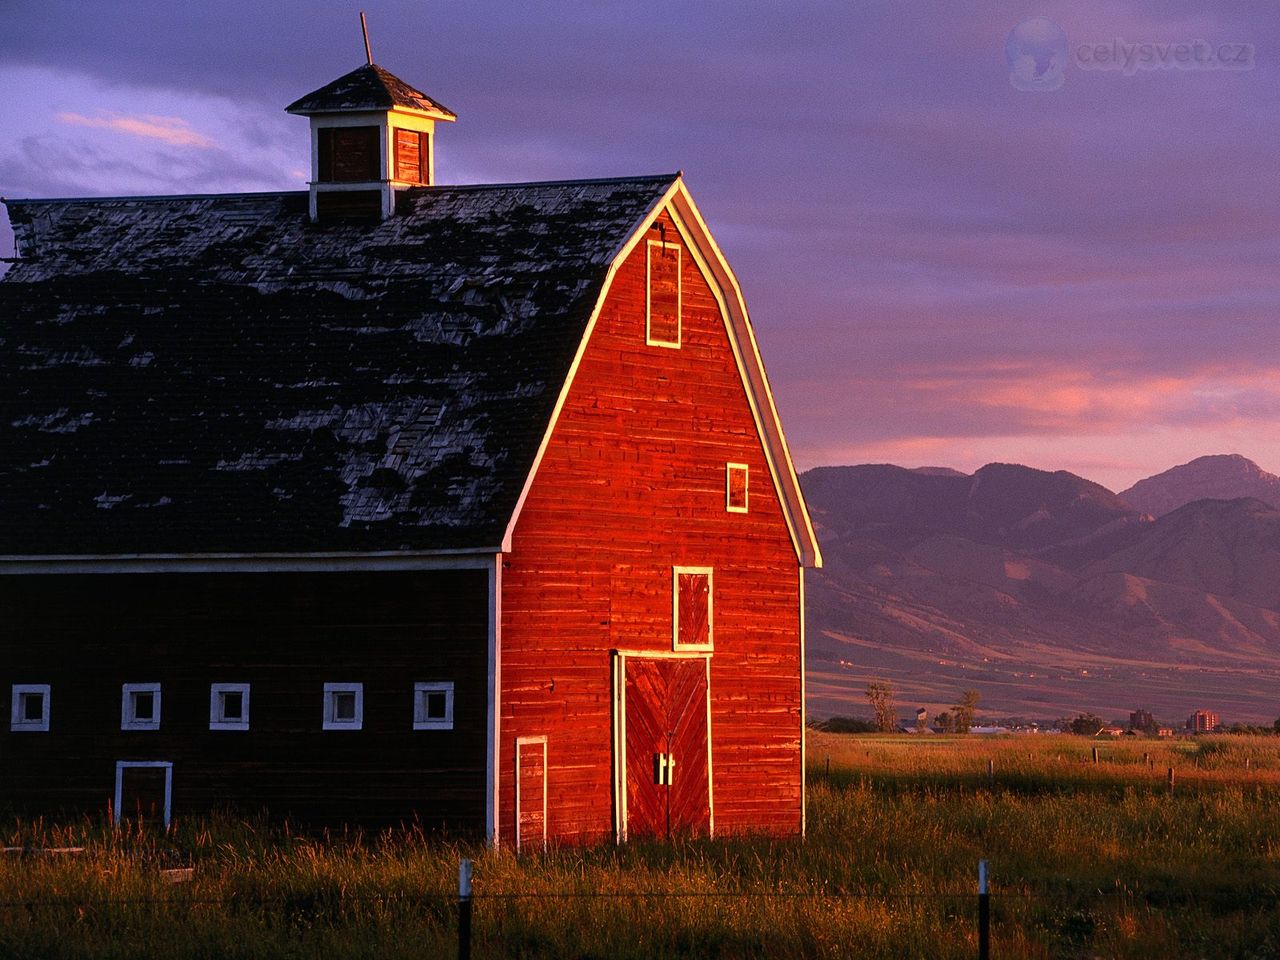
368,87
218,374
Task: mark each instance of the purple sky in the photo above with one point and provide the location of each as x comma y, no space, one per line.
941,268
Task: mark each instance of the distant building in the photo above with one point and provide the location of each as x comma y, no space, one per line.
1164,732
1142,720
1202,721
922,719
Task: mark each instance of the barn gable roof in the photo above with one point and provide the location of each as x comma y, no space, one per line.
217,374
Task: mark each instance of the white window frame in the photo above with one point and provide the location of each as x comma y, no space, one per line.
729,468
420,719
330,722
709,646
122,765
128,720
217,721
18,723
648,290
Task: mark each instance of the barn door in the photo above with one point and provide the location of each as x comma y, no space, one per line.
666,779
144,792
531,793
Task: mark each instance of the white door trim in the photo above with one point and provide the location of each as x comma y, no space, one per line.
123,765
618,663
525,742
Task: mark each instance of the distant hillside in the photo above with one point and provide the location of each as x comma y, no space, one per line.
1218,477
1045,591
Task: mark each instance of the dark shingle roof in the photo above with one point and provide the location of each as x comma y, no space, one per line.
218,374
368,87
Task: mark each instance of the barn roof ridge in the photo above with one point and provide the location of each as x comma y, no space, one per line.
253,194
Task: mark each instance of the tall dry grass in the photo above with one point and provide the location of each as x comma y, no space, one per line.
1087,860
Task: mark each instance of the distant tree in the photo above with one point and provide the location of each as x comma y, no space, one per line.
1276,726
945,722
846,725
1086,724
883,709
964,712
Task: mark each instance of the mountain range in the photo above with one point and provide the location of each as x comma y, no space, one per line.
1046,592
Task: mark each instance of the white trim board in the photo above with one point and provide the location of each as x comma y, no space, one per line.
804,721
649,339
493,720
710,574
247,562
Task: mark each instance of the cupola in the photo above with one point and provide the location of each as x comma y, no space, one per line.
371,135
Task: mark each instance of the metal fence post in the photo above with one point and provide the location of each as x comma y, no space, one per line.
464,910
984,913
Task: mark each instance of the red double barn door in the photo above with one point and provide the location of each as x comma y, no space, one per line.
667,772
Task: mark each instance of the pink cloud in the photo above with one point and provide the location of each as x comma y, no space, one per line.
172,130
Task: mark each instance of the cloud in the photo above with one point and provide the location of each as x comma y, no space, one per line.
934,261
171,130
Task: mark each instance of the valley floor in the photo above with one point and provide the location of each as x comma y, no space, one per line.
1087,859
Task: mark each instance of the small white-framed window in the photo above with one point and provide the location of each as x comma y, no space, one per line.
140,706
30,709
691,621
343,706
735,487
433,705
229,706
662,294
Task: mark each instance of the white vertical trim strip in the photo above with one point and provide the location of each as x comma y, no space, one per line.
711,793
493,722
619,678
804,722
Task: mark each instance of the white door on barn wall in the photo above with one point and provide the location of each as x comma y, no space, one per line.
531,793
143,792
662,744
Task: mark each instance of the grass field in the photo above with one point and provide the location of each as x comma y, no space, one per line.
1087,860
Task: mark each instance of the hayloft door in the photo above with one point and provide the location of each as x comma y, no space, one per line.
664,747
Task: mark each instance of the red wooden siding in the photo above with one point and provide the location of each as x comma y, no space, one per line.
632,485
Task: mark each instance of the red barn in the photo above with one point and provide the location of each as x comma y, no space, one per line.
391,500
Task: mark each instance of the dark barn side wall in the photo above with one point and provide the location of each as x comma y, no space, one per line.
285,633
632,483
